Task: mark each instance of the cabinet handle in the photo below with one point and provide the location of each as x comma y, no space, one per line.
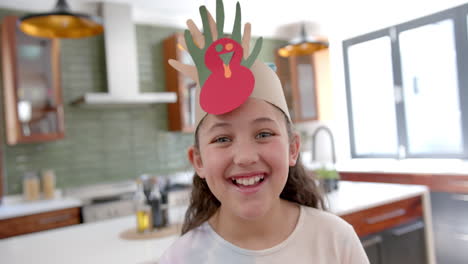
54,219
408,229
460,197
386,216
372,241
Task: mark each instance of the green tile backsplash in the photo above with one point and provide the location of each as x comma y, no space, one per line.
107,144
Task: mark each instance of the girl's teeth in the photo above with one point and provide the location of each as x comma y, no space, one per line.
249,181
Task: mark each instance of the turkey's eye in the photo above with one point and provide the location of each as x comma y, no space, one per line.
219,48
229,46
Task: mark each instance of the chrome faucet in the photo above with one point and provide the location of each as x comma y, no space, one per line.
314,137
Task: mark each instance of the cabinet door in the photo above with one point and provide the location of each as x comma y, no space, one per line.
451,246
32,93
373,245
307,85
181,113
450,214
39,222
405,244
450,209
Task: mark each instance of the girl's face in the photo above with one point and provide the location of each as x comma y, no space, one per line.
244,156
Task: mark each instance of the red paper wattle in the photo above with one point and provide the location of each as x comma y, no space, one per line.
221,94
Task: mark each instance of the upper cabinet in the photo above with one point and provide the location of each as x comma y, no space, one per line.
307,85
182,112
31,82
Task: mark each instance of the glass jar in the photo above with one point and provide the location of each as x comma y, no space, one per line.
31,187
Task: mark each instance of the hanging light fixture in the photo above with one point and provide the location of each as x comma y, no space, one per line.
61,23
303,46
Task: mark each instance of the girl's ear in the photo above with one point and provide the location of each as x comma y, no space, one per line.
294,149
195,159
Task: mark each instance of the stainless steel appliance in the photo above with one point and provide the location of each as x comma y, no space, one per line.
105,201
111,200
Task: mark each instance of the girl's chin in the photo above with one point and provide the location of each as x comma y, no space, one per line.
253,211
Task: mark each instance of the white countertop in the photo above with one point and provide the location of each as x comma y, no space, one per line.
100,242
357,196
14,206
97,242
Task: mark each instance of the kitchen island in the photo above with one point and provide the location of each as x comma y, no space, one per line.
102,242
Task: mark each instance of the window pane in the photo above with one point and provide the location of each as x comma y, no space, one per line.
372,96
429,71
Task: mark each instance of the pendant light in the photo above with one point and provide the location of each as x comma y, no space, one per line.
61,23
303,46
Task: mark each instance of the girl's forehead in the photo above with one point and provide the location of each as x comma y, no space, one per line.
253,109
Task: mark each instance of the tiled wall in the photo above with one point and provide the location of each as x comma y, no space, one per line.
101,144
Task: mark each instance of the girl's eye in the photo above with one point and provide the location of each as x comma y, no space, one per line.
264,135
221,140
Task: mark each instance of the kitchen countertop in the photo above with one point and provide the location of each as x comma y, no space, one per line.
357,196
15,206
387,165
99,242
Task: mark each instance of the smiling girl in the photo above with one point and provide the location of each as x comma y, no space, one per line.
252,201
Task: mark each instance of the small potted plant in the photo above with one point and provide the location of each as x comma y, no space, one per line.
328,179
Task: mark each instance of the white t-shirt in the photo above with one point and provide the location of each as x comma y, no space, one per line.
319,238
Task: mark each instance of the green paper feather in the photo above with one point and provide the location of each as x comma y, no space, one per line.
197,57
220,18
206,26
236,31
253,56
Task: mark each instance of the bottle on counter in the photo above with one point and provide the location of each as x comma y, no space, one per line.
142,209
48,184
31,189
158,208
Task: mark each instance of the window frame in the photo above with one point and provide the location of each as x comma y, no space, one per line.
459,17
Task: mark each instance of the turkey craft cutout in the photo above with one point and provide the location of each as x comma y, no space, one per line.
221,67
229,83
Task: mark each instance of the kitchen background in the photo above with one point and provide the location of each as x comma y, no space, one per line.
107,144
116,144
120,143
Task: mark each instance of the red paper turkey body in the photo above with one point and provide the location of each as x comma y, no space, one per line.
229,83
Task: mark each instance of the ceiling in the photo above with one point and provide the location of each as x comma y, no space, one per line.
275,20
270,18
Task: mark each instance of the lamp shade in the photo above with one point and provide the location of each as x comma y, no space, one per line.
61,23
304,46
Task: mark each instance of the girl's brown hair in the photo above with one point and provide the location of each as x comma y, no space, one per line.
300,188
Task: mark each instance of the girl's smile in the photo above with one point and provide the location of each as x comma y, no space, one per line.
248,182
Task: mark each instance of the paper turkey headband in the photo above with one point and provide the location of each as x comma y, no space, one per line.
224,71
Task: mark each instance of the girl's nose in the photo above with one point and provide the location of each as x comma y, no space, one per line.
245,154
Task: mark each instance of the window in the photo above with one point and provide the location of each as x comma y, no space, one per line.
405,88
371,126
